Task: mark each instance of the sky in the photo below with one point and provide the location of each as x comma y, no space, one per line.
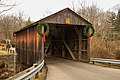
37,9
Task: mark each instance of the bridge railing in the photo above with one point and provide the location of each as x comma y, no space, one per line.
28,73
104,60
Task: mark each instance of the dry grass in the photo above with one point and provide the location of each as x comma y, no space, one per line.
42,75
105,49
8,70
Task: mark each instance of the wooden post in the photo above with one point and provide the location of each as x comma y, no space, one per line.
88,51
15,62
80,42
63,38
63,51
42,46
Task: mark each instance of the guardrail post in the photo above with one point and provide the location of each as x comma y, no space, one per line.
93,62
36,75
33,78
109,64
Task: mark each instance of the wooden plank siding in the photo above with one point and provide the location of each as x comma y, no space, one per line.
28,46
28,41
60,18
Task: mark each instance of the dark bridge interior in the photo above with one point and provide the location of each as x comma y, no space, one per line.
63,41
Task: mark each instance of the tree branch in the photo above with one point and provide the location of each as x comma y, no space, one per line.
11,6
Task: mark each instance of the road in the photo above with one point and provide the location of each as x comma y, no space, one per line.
62,69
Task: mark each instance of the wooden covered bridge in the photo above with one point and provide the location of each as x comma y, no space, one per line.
65,40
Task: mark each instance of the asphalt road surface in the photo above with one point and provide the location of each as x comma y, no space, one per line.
62,69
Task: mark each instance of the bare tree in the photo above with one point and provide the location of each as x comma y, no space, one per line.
5,7
101,44
20,19
9,24
94,15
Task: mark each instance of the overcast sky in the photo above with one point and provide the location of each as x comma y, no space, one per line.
37,9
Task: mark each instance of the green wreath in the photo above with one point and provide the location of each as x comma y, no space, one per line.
86,28
40,24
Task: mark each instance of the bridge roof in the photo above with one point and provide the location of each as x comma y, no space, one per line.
60,17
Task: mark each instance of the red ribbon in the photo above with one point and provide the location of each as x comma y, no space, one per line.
44,37
88,38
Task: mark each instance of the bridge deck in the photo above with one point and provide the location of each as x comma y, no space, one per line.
62,69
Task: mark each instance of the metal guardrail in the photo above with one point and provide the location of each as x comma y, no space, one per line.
31,73
105,60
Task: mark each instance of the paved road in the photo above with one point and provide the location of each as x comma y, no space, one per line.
62,69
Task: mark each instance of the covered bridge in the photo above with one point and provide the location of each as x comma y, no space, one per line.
65,40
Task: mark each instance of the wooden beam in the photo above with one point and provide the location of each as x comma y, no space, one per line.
72,55
77,31
80,41
57,48
80,50
63,51
63,48
48,47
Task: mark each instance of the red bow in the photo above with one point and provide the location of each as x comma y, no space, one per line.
44,37
88,38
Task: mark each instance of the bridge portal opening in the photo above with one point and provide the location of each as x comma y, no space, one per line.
67,41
